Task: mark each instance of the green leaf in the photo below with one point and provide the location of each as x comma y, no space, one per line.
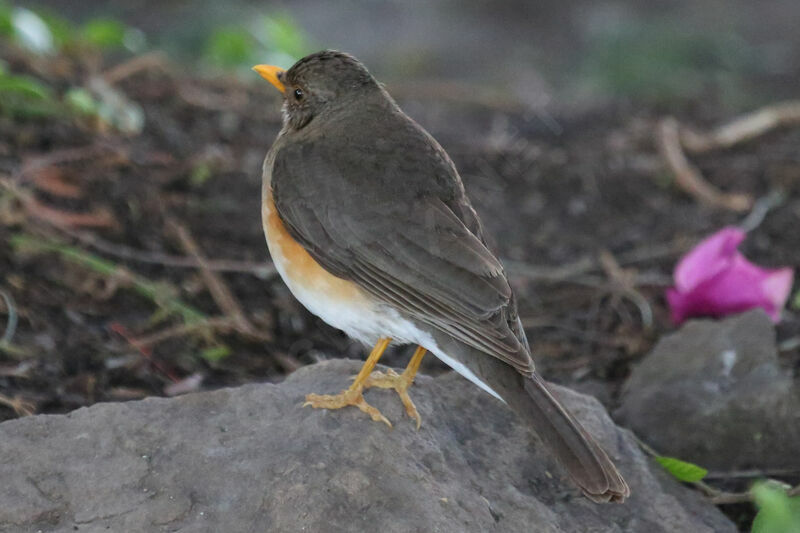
777,512
682,470
201,174
215,353
230,47
6,26
285,35
796,302
81,101
23,96
104,33
23,86
158,293
61,29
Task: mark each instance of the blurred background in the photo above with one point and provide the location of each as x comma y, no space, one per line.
736,51
132,135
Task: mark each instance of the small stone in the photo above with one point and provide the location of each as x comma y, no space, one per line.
714,393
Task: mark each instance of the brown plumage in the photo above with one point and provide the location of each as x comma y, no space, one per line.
385,243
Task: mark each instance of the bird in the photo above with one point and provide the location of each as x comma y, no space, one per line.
369,225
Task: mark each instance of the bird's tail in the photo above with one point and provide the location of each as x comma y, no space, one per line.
586,462
528,395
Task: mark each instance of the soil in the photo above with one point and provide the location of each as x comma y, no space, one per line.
555,192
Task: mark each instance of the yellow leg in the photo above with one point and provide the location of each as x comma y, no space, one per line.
353,395
400,382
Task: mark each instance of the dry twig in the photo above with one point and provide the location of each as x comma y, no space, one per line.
624,282
98,218
737,474
234,97
219,290
96,151
761,208
672,139
145,351
159,293
151,60
221,324
743,129
260,270
716,496
11,322
19,405
688,177
591,263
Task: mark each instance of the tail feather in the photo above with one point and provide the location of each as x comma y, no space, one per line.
528,395
585,461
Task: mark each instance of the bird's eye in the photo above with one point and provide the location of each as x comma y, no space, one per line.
298,94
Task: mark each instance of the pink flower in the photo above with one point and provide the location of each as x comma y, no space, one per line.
714,279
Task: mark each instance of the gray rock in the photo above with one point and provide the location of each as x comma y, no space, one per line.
252,460
714,393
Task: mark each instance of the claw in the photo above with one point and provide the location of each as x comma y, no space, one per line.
345,398
400,383
367,378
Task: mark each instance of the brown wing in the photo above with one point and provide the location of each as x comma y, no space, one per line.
400,238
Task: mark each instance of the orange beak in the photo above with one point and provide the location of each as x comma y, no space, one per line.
272,75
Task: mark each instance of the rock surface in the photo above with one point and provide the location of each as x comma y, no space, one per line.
252,460
714,393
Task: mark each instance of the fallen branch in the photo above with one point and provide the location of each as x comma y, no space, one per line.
688,177
742,129
672,139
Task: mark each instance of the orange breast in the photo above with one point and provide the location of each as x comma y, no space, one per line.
299,270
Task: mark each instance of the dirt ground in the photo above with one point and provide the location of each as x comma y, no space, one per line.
555,194
113,303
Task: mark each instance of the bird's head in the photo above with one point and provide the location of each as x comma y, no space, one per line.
319,85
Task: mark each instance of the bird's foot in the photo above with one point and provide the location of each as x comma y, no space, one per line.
400,383
351,396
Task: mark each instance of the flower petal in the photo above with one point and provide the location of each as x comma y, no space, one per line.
740,287
776,286
711,256
680,305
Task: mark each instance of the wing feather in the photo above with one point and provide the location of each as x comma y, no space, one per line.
403,244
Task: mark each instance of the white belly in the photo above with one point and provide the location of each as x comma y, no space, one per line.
341,303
